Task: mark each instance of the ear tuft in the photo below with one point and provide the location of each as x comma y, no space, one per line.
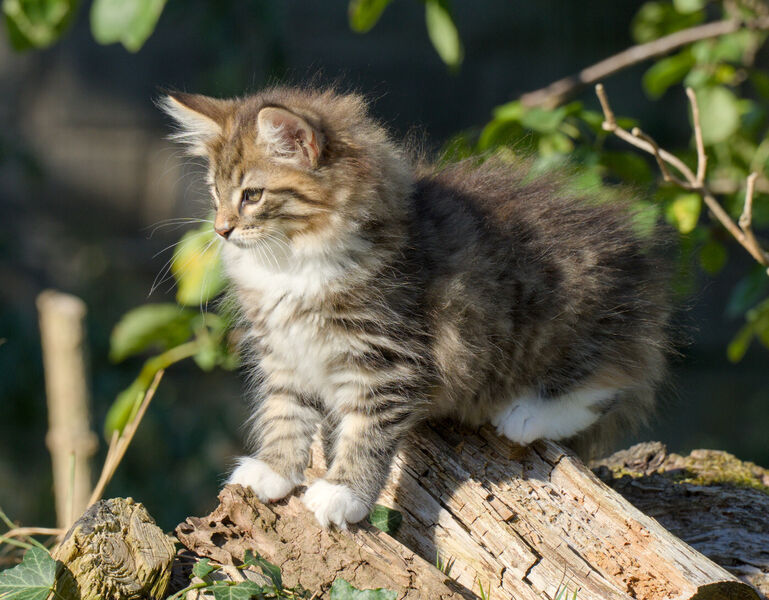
199,119
289,137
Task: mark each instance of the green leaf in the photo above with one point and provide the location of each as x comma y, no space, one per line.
666,72
203,568
511,111
689,6
197,267
713,257
129,22
443,33
554,143
341,590
629,167
123,408
37,23
656,19
163,325
244,590
719,114
740,343
32,579
543,120
272,571
684,212
385,519
748,292
760,81
364,14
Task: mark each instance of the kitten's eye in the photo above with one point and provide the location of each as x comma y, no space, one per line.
251,196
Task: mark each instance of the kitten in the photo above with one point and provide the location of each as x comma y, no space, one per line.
377,296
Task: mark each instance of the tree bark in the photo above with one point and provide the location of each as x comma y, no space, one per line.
517,522
287,534
526,522
711,500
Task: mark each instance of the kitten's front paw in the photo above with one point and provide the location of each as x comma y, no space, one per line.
268,485
334,503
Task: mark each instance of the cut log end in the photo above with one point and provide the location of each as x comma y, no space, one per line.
114,551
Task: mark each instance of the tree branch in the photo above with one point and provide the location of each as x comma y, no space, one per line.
559,91
743,232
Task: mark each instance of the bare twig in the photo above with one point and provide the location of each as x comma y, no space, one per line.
119,443
702,157
28,531
558,92
691,181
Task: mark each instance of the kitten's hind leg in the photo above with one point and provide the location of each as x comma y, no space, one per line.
530,417
283,429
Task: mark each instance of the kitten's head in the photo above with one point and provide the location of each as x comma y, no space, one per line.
300,166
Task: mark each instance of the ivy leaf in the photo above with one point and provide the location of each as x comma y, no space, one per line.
272,571
129,22
719,114
32,579
37,23
443,33
341,590
684,212
165,325
385,519
244,590
197,268
364,14
203,568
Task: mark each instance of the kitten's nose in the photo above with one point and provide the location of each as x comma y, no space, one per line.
224,230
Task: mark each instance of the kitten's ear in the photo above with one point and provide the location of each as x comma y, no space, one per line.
200,119
289,136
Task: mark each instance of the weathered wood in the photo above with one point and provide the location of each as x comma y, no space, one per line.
710,499
287,534
527,522
115,551
70,439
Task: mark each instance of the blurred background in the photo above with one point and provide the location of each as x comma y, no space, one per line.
86,173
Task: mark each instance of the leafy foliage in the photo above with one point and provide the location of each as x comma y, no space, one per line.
385,519
732,96
129,22
37,23
33,579
272,571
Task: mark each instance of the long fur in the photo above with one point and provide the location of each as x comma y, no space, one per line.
377,294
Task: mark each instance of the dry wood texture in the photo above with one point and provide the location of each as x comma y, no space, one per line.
70,439
288,535
524,522
711,500
115,551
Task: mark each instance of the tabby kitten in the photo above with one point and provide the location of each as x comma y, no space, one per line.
377,295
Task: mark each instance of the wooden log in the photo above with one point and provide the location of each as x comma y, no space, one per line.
70,439
710,499
287,535
528,522
114,551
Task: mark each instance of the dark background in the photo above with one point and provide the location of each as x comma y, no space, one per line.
85,172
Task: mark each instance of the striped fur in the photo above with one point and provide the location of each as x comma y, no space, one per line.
377,294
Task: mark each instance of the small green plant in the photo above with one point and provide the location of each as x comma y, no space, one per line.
444,566
385,519
484,594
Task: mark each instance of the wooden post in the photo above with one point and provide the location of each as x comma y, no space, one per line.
70,439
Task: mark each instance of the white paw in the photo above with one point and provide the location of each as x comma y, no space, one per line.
334,503
268,485
519,423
